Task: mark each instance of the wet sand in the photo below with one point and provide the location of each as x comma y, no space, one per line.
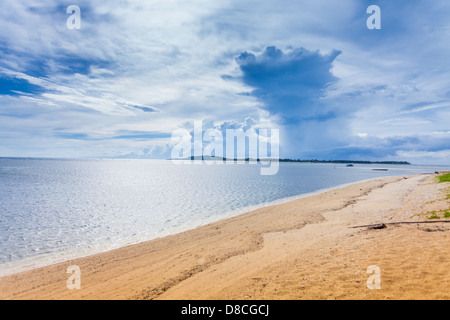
303,249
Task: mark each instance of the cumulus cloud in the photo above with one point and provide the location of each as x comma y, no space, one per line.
289,83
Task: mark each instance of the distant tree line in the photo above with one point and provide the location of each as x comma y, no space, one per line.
304,161
346,161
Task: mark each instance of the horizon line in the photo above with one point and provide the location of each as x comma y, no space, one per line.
395,162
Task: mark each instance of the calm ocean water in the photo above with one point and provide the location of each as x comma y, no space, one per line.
53,210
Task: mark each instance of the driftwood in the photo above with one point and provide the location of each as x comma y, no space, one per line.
378,226
383,225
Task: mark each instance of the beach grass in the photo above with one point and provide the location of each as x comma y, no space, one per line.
444,178
438,214
433,215
443,213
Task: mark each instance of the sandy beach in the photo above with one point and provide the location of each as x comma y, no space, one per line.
308,248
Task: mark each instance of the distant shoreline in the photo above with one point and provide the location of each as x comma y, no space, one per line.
348,161
302,161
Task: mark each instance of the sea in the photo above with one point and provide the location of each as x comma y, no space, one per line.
53,210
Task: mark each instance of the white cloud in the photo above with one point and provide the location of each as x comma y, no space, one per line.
170,57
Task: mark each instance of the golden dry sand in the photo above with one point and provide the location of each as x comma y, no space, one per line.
303,249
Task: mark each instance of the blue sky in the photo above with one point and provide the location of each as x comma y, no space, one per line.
137,71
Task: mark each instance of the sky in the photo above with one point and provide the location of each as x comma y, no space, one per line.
135,72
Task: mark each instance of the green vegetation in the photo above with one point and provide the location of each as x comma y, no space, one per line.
444,178
444,213
433,215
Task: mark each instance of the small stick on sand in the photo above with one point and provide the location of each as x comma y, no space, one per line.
400,222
